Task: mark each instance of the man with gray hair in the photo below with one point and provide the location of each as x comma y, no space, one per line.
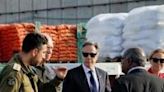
137,79
54,84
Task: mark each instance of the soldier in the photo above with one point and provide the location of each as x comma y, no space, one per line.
18,75
53,83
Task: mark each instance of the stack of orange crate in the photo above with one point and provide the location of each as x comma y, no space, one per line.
0,47
1,25
64,37
12,35
29,27
55,37
67,43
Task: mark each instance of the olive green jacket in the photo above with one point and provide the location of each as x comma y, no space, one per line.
54,84
16,77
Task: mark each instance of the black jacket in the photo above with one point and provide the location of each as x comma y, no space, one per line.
139,80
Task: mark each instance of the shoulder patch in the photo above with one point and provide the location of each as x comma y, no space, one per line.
17,67
11,81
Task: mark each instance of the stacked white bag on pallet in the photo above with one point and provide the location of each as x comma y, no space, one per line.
144,27
106,30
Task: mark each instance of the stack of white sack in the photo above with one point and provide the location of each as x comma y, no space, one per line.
106,30
144,27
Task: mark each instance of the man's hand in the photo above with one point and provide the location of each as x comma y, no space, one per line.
61,72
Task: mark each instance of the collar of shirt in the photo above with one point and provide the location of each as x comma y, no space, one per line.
86,69
134,68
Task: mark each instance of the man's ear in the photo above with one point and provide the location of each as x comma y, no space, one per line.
34,52
129,61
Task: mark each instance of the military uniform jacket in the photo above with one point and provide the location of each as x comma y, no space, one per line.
50,84
16,77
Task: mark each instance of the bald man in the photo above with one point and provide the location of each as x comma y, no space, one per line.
54,84
136,78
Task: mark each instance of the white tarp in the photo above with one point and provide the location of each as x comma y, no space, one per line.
106,30
144,27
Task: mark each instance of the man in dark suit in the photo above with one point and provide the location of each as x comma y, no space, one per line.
87,77
137,79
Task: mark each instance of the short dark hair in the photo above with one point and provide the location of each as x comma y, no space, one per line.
90,43
33,40
136,55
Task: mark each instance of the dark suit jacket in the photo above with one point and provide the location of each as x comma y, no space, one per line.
139,80
76,81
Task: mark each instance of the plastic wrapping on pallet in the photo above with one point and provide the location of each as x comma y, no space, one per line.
144,28
106,30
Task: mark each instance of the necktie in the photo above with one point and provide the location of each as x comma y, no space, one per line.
93,87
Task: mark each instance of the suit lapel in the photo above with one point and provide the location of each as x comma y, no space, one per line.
83,79
99,76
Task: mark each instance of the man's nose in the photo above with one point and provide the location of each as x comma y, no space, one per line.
89,56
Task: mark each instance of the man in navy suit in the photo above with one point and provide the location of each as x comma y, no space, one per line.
137,79
87,77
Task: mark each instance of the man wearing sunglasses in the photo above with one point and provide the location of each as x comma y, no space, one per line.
87,77
157,63
137,79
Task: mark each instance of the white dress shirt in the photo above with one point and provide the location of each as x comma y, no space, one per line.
86,70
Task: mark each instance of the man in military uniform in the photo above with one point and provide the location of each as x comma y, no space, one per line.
53,83
18,75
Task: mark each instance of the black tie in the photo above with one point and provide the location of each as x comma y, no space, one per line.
93,87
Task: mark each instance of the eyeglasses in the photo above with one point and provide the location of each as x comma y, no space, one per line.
85,54
157,60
